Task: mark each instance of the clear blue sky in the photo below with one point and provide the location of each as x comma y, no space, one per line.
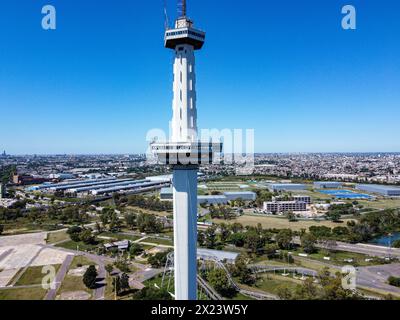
285,68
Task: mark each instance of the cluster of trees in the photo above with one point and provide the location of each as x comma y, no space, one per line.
221,212
336,211
90,277
121,284
152,294
219,280
394,281
158,260
149,223
150,203
6,173
68,215
109,217
328,288
78,234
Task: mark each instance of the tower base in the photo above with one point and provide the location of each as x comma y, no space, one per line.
185,231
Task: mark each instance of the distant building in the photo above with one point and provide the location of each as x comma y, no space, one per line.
120,245
286,187
61,176
207,254
327,185
217,199
166,194
388,191
284,206
245,196
227,197
300,198
27,179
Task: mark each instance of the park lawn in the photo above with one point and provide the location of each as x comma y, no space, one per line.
72,245
72,284
33,275
80,261
119,236
337,258
280,223
134,209
54,237
75,283
36,293
271,283
381,203
158,241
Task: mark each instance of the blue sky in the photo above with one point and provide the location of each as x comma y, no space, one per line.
285,68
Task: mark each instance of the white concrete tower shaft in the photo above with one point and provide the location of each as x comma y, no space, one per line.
184,121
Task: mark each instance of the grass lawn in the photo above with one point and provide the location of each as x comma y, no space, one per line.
54,237
280,223
119,236
33,275
72,245
381,203
158,241
74,283
23,294
338,258
271,283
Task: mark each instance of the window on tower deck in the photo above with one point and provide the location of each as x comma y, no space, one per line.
191,85
192,122
191,103
180,112
181,94
181,76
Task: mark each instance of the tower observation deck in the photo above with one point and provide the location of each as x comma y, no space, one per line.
184,152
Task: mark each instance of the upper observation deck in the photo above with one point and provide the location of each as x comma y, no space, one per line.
184,33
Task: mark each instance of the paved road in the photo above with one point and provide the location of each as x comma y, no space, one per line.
5,254
375,277
371,250
19,274
51,294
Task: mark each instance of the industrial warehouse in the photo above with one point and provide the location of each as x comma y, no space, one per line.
387,191
103,187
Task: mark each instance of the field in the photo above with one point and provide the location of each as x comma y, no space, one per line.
381,203
271,283
75,283
33,276
72,245
280,223
36,293
54,237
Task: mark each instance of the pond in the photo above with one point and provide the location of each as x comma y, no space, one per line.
386,240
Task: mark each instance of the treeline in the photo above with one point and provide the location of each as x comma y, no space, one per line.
69,215
150,203
6,173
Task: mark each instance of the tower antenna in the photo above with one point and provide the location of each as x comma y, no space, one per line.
184,8
166,15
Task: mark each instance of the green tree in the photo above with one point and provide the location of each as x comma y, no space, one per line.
152,294
87,237
136,249
308,242
211,237
1,229
109,268
90,276
219,280
284,239
130,220
124,282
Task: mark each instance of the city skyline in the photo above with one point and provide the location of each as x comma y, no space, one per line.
304,84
